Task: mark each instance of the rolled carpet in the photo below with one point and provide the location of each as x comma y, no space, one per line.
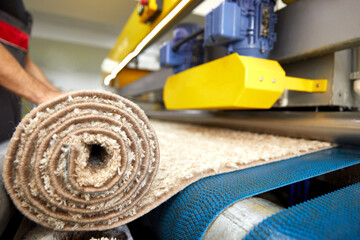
87,160
82,162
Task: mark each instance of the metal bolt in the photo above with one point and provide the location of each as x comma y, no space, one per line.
318,85
261,79
274,80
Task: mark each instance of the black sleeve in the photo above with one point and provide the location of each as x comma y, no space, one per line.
15,8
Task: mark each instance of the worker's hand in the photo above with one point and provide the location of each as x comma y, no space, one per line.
49,95
29,83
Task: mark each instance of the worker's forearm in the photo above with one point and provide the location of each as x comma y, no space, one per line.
14,78
36,72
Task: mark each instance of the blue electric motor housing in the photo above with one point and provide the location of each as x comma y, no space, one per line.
245,27
188,53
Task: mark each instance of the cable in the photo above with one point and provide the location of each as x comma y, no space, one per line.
184,40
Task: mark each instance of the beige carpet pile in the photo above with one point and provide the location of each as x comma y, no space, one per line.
53,176
189,153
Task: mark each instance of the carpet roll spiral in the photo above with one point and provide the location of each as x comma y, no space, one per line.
82,162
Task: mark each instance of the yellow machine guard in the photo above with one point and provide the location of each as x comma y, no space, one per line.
137,29
233,82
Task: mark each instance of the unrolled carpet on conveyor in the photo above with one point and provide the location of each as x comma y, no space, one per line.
90,160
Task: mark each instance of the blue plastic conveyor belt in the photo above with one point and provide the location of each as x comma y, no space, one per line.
188,214
333,216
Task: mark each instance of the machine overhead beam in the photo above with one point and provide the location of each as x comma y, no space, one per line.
137,35
338,127
151,82
311,28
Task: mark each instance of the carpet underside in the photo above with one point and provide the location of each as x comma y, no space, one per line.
50,175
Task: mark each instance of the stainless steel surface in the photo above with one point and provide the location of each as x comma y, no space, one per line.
355,73
335,67
342,89
355,68
338,127
310,28
237,220
151,82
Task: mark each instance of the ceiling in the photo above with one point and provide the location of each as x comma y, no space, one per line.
84,22
111,12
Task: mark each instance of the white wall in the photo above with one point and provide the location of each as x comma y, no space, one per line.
69,66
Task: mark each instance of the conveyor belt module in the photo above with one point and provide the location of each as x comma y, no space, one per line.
189,214
333,216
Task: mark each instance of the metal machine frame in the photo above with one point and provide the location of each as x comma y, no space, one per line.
305,49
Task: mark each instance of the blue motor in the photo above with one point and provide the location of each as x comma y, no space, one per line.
186,50
242,26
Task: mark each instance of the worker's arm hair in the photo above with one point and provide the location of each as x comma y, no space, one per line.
36,72
25,84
